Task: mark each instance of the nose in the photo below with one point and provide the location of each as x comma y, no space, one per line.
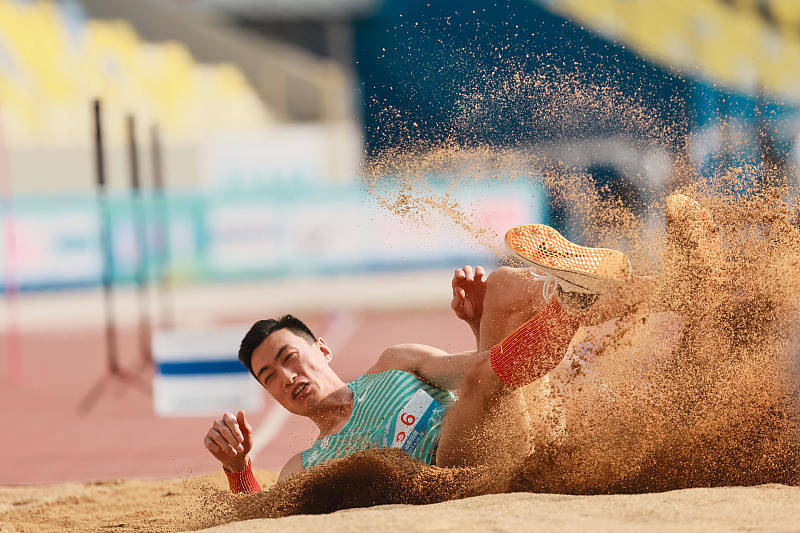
290,377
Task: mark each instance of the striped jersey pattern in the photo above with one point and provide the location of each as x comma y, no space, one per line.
379,402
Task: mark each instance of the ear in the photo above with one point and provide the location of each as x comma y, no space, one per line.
326,351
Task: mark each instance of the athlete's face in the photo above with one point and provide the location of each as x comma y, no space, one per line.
294,371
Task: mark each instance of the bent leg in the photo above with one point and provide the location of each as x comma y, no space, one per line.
513,296
521,350
490,422
489,425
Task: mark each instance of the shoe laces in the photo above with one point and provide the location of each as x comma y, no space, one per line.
549,284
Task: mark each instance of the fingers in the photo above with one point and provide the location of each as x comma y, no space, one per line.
470,272
233,425
210,445
243,423
230,439
222,444
247,430
464,279
214,443
223,435
458,275
217,445
458,292
467,273
459,298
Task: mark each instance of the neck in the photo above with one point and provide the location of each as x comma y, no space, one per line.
334,411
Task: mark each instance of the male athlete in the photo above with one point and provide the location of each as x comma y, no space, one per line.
523,326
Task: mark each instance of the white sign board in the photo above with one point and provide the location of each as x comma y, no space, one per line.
197,373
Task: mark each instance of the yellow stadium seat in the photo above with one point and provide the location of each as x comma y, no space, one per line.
731,44
747,4
787,12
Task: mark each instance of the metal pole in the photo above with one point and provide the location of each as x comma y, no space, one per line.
162,233
114,370
112,355
142,263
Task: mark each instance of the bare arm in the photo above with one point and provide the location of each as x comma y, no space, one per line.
432,365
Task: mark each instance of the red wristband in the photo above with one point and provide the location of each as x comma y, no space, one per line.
243,480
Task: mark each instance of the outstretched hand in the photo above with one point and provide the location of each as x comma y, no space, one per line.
469,289
230,440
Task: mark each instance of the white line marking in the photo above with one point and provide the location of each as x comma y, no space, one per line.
269,428
341,326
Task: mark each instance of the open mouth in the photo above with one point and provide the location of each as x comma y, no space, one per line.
299,390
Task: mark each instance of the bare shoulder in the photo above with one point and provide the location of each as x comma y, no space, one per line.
406,357
292,466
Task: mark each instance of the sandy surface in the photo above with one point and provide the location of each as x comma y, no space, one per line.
762,508
122,505
182,505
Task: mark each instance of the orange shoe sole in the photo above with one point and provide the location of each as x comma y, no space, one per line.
579,268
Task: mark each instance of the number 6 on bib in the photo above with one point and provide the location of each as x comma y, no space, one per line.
413,421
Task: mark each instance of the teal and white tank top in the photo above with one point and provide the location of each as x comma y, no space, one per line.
391,409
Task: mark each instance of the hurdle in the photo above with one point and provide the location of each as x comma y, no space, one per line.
197,373
114,373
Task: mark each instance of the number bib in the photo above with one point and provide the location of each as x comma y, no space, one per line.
412,422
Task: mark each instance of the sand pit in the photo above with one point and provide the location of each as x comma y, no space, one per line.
181,505
762,508
704,436
120,505
683,415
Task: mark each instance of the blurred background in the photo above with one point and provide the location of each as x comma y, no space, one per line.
173,170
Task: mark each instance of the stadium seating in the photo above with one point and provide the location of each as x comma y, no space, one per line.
743,44
54,61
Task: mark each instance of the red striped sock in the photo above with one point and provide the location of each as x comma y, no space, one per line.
244,480
536,347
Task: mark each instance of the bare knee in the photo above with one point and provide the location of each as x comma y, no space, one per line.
500,278
503,288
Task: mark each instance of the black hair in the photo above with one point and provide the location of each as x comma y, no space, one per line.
263,329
